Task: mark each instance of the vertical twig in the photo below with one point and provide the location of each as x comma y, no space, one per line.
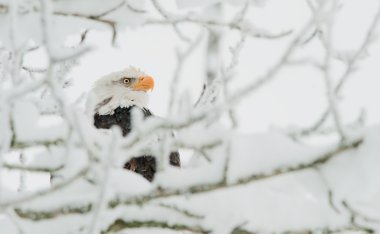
100,202
227,73
181,59
213,46
328,82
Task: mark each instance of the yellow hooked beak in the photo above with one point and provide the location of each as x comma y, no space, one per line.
144,83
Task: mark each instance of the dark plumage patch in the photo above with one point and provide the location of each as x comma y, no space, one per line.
144,164
121,117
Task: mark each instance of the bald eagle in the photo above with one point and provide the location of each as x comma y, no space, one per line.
115,96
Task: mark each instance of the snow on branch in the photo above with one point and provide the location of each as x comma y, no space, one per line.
162,192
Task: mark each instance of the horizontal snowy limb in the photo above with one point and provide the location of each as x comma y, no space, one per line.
119,225
162,192
29,197
22,145
30,168
32,215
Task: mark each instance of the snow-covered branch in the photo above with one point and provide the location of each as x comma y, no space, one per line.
202,188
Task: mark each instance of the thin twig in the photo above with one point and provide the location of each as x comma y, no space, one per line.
100,202
181,59
110,23
333,106
164,13
111,10
181,210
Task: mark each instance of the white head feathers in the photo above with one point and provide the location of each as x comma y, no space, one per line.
120,89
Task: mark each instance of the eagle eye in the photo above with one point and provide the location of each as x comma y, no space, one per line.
126,80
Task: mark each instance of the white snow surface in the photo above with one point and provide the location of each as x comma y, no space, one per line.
30,127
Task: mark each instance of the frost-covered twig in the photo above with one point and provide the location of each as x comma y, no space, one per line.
305,61
181,59
272,72
134,9
181,210
352,62
110,23
318,130
350,68
354,214
240,15
112,9
331,97
214,84
201,96
226,166
169,16
201,148
227,73
34,70
330,192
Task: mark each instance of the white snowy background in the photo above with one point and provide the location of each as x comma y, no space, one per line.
267,170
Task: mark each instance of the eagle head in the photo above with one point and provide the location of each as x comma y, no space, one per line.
121,89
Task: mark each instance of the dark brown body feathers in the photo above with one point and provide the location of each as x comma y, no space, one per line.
144,164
